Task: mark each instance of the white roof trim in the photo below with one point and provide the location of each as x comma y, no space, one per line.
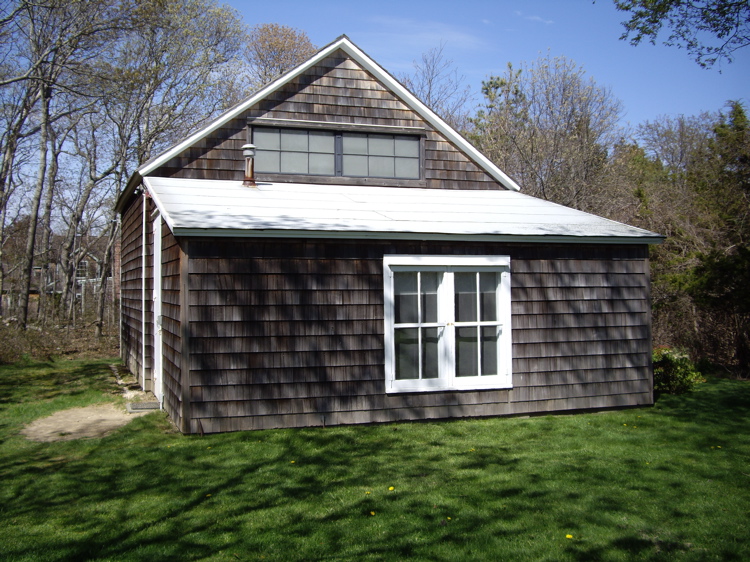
371,66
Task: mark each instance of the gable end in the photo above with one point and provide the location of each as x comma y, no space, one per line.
341,93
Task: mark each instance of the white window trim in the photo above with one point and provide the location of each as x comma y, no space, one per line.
447,379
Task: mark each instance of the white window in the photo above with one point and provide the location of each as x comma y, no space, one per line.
447,323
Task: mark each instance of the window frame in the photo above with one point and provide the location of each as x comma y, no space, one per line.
447,379
340,155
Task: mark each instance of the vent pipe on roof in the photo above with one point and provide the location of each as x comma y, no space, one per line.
248,151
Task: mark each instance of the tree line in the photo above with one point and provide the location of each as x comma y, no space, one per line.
688,177
92,89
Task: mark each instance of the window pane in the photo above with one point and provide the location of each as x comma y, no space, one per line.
407,353
430,353
353,143
381,167
266,139
407,168
488,296
405,289
267,161
466,297
490,337
355,165
294,140
407,146
429,296
322,164
321,141
466,352
381,145
294,163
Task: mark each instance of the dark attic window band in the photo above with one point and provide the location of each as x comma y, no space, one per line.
337,153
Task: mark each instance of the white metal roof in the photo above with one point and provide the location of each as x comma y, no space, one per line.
227,208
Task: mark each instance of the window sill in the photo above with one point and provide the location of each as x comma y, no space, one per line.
422,388
339,180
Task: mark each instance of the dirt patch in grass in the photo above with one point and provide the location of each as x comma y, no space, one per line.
78,423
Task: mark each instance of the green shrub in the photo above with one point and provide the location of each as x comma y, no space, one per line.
674,372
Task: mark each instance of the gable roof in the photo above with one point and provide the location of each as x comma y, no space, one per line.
227,208
344,44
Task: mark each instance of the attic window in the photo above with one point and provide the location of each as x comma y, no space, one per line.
336,153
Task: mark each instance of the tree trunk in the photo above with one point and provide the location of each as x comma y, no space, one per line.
52,170
28,259
106,267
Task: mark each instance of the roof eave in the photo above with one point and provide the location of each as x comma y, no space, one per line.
133,183
432,236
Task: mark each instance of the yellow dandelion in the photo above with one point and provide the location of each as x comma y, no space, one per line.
391,488
568,536
449,518
368,493
292,462
718,446
372,513
208,495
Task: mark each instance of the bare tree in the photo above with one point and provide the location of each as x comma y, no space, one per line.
147,68
437,83
272,49
550,127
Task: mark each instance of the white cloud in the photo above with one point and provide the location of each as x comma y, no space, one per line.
537,19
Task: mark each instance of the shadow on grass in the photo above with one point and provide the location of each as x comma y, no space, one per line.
476,489
33,381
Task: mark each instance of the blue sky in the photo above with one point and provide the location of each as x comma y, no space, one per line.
482,37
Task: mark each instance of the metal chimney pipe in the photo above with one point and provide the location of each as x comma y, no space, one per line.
248,151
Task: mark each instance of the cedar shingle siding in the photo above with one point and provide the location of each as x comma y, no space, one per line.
299,338
286,334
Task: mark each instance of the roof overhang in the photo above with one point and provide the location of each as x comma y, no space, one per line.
212,208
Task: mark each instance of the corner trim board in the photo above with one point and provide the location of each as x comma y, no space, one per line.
184,337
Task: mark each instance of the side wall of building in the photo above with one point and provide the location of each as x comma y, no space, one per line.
137,284
290,333
131,288
171,325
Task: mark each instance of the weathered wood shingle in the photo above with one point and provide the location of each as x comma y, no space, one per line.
290,349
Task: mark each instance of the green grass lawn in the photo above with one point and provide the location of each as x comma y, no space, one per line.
661,483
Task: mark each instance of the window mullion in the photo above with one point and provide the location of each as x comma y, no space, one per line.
338,154
477,300
419,321
447,310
